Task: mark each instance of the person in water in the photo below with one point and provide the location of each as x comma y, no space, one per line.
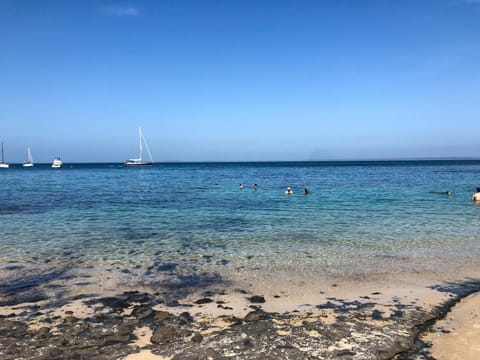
241,186
255,186
305,191
476,196
448,193
289,191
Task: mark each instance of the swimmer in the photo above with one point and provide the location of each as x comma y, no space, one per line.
448,193
305,191
476,196
289,191
241,186
255,186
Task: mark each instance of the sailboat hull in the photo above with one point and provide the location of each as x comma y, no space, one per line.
137,163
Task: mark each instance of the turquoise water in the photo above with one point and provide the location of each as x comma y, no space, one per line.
96,214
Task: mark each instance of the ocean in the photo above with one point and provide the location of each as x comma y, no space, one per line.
357,215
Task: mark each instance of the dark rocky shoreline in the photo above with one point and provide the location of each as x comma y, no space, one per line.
360,330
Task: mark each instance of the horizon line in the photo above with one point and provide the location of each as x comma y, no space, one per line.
274,161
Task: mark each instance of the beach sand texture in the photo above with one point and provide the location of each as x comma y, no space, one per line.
264,316
457,337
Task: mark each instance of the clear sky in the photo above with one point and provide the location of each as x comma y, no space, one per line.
240,80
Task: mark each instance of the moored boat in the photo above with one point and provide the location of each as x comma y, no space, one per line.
140,161
3,164
29,162
57,163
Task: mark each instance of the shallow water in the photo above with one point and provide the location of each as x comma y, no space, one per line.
357,214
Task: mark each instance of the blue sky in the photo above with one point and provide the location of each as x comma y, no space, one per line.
240,80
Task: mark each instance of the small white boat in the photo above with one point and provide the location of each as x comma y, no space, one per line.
3,164
140,161
29,162
57,163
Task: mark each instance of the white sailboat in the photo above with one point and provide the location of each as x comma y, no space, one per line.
140,161
29,162
3,164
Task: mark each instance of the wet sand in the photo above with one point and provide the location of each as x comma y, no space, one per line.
457,336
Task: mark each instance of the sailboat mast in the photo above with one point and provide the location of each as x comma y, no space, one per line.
2,153
140,140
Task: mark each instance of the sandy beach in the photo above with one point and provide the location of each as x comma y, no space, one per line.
255,313
456,336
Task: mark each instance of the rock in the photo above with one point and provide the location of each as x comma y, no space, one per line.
397,313
70,320
257,299
377,315
43,332
172,303
257,329
163,334
256,315
162,317
203,301
197,338
52,353
403,344
114,339
344,354
208,293
117,304
247,343
142,312
138,297
124,329
185,318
